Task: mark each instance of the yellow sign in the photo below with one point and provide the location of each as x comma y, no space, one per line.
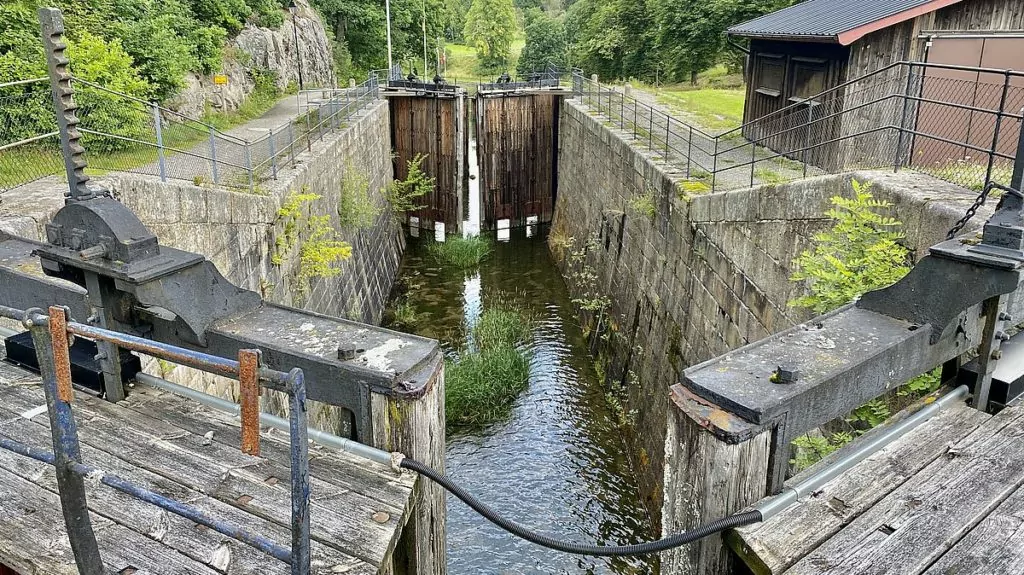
220,79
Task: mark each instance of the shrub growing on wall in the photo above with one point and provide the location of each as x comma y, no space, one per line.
859,254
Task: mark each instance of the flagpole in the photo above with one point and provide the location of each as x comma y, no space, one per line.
387,9
424,21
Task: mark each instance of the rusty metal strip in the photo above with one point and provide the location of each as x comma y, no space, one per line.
249,397
61,356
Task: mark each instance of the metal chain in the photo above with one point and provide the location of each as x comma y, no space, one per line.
978,202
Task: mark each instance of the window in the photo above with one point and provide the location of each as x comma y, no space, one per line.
770,74
808,78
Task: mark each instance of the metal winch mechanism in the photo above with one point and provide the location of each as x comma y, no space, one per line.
134,285
963,296
98,243
103,264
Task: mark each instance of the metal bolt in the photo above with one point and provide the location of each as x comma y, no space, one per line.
787,373
997,354
1002,336
100,356
1003,316
346,354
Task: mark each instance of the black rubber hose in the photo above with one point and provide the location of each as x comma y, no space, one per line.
649,547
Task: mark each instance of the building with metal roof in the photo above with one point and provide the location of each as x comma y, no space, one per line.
821,46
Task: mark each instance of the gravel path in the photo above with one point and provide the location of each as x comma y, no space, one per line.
694,151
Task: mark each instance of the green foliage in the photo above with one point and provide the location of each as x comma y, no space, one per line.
290,215
922,385
502,323
669,39
403,194
768,176
859,254
643,204
583,279
491,26
872,414
322,250
811,449
713,108
405,315
460,252
612,38
484,381
545,43
163,39
481,387
358,29
356,207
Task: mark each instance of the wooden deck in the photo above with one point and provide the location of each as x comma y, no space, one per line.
183,450
945,499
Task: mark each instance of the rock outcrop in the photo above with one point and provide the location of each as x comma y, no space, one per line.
256,48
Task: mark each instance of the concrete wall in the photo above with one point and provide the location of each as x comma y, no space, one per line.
704,275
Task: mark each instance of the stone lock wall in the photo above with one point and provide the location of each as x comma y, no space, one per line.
706,274
242,232
239,232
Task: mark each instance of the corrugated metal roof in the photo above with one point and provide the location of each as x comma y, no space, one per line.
825,20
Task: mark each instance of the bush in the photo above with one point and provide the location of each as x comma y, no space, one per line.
207,48
403,195
107,64
459,252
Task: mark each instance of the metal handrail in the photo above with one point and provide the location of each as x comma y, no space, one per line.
52,335
795,119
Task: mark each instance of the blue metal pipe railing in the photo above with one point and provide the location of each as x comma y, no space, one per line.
51,335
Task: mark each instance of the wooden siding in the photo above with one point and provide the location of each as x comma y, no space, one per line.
900,42
779,132
903,43
517,143
428,125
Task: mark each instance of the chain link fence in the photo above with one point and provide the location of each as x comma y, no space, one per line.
29,141
122,133
957,123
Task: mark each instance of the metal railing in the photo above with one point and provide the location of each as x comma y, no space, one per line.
122,133
960,124
52,336
551,77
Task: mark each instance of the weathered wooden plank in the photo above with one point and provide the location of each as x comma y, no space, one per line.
341,518
197,542
417,430
706,479
773,546
337,468
905,532
994,547
33,539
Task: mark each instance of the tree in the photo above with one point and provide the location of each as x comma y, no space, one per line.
490,27
545,43
612,38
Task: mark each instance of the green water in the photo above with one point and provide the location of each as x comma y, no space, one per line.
558,462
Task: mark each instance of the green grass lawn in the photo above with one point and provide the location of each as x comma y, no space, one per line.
717,109
464,65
